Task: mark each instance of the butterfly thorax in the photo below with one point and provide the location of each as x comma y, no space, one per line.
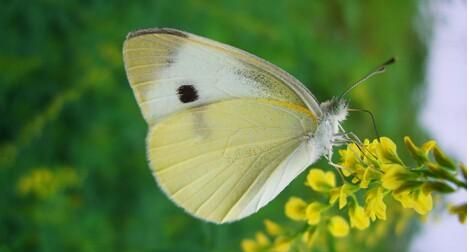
334,111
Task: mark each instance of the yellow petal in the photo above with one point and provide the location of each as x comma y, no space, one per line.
343,197
345,191
338,226
416,199
313,213
309,237
334,195
413,149
341,194
427,147
366,178
358,217
350,157
262,239
386,150
281,245
375,207
423,202
295,209
420,154
272,228
248,245
321,181
404,198
394,176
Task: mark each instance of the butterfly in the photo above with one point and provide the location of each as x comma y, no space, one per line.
228,131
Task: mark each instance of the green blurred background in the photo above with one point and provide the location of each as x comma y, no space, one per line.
73,170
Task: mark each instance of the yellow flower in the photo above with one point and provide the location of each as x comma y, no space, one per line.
44,182
338,226
375,207
404,198
320,181
370,152
262,239
249,245
281,244
394,176
419,153
417,199
350,157
41,182
259,244
368,175
272,228
309,237
386,151
341,194
358,217
295,209
427,147
313,213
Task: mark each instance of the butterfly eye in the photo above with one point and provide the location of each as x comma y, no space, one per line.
187,93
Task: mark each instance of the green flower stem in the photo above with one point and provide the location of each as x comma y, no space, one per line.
442,174
457,182
446,176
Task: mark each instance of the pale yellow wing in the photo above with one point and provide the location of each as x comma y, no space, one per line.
225,160
171,70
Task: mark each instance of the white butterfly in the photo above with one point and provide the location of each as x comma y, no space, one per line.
228,131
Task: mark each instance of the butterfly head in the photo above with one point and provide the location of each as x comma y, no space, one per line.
334,109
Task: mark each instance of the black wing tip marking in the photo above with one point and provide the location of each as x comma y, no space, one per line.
169,31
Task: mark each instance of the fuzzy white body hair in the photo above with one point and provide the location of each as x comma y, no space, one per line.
322,141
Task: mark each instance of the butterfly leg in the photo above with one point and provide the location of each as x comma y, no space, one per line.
343,138
338,168
339,141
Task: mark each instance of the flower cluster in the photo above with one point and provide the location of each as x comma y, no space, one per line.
43,182
273,239
369,173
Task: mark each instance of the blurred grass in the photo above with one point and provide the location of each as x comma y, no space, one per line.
66,104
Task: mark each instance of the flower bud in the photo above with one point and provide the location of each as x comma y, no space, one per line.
461,211
295,209
419,153
442,159
338,226
436,186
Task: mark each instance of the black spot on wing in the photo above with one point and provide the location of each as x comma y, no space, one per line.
157,31
187,93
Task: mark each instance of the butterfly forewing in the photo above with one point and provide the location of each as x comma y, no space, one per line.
161,64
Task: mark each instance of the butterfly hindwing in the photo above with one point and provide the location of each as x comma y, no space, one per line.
222,161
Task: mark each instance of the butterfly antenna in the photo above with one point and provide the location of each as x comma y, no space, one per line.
372,117
380,69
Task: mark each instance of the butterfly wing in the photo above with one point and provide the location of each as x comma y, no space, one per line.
225,160
227,129
171,70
